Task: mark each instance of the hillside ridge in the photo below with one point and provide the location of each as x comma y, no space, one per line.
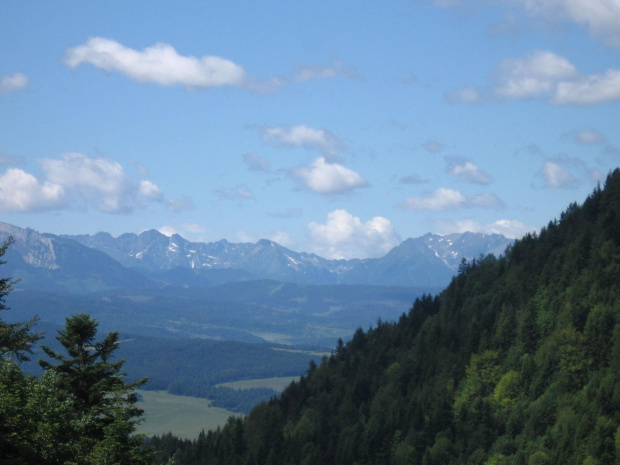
517,361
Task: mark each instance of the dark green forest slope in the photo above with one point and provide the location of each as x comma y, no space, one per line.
516,362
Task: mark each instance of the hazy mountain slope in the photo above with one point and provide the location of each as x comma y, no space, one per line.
516,362
150,259
411,261
430,260
47,262
154,251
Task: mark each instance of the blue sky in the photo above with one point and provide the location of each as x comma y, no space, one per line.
334,127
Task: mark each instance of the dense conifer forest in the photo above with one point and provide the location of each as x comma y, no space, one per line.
517,361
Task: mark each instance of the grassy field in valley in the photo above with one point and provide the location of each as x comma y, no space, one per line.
277,384
184,416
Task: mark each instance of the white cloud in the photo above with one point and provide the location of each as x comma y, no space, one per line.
589,90
13,83
345,236
150,191
21,191
511,229
543,74
328,178
601,17
167,230
441,199
284,239
589,137
159,64
449,199
467,171
255,162
556,176
303,136
75,180
182,204
532,76
99,180
468,94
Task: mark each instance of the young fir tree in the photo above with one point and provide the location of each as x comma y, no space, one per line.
102,403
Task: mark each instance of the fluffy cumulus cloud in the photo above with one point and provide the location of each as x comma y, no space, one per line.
160,64
327,178
75,181
556,176
449,199
345,236
21,191
466,171
150,191
511,229
303,136
532,76
543,74
13,83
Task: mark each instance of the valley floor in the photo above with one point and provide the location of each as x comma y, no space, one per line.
185,416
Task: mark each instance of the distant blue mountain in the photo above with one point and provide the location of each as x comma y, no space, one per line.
87,263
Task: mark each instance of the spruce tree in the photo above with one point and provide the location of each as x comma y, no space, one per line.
103,404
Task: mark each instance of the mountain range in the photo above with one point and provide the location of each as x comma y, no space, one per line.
82,263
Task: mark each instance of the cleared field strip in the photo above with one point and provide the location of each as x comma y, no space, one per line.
184,416
277,384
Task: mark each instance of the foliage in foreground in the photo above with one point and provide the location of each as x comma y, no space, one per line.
80,412
516,362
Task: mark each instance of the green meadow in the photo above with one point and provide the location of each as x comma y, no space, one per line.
277,384
187,416
183,415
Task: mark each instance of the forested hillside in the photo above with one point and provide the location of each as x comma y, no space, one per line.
516,362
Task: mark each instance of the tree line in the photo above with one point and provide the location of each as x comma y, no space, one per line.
517,361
